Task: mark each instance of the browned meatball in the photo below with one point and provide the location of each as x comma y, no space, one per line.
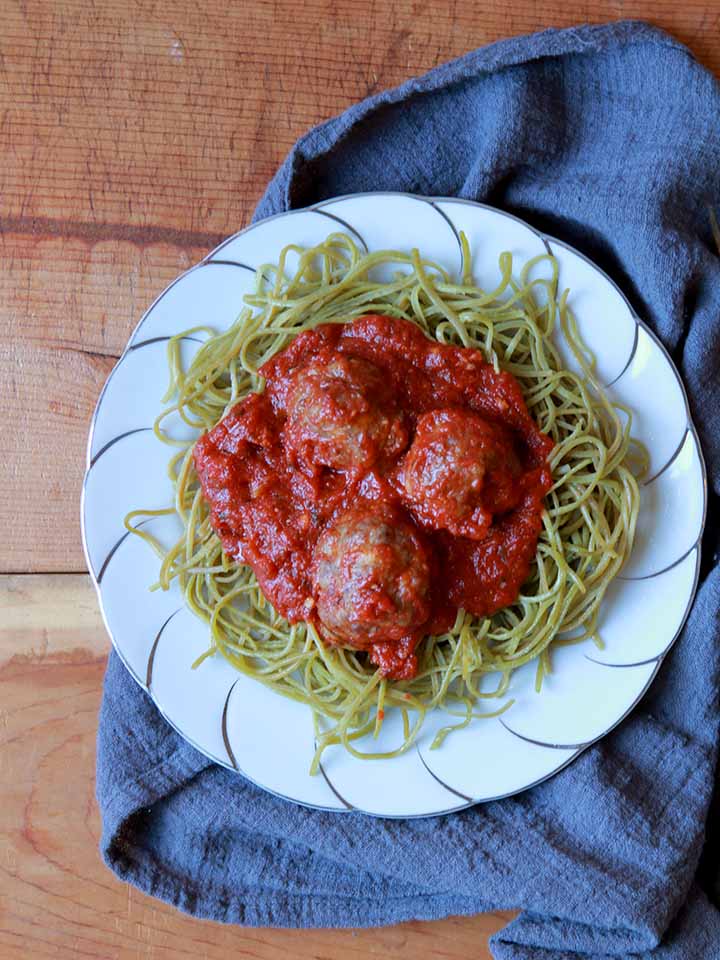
460,471
371,576
340,414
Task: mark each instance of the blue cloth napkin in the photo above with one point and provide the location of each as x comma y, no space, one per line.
608,137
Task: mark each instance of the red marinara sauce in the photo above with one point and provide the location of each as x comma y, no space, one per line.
380,482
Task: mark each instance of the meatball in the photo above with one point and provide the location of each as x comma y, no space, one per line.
460,471
371,576
340,414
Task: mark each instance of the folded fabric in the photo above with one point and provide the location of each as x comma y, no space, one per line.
607,137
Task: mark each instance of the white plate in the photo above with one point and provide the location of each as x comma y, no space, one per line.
242,725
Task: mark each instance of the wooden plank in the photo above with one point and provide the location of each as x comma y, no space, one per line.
56,897
115,115
132,142
67,306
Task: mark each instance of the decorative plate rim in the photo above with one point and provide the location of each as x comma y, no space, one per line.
547,240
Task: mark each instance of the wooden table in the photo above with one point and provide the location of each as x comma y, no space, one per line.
134,137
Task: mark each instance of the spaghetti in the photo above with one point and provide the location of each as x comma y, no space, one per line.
588,523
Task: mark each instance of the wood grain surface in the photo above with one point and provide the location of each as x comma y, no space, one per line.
134,136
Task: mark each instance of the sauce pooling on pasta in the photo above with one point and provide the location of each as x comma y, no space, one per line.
379,483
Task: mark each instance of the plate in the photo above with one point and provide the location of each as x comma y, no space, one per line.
249,729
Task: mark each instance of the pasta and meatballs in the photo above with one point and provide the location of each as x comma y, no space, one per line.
400,494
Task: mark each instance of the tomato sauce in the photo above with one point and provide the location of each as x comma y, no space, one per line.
276,476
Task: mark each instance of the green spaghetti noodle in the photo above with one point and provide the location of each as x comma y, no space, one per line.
588,522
